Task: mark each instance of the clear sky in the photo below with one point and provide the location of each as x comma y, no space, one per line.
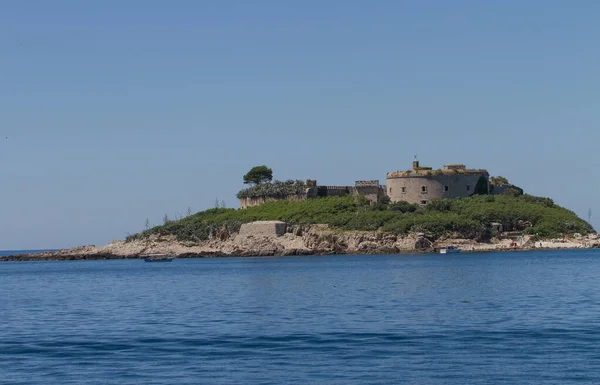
117,111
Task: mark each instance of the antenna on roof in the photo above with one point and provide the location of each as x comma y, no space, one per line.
415,159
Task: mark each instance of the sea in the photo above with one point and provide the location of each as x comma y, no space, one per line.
472,318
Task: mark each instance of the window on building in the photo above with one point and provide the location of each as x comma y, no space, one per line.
423,202
445,188
403,189
390,190
468,188
423,189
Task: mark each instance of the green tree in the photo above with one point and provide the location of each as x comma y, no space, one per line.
259,175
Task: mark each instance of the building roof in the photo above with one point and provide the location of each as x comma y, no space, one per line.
426,173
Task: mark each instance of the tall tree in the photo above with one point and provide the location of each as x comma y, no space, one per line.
258,175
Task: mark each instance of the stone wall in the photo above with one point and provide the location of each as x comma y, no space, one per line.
370,189
311,192
251,202
454,166
499,189
421,188
334,191
262,229
366,183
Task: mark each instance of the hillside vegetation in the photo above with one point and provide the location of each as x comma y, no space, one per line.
468,217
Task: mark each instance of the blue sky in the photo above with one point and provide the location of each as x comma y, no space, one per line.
118,111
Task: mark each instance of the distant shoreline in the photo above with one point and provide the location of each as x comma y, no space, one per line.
10,253
274,238
56,256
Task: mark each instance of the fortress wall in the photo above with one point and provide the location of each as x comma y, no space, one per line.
366,183
337,190
251,202
501,188
368,188
311,192
459,185
370,192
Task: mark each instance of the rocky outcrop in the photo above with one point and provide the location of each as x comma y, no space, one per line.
274,238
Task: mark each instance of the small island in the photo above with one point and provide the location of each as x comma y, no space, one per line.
419,210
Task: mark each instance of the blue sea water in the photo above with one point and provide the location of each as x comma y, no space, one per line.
481,318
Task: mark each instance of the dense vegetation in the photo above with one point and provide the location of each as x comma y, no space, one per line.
468,217
276,189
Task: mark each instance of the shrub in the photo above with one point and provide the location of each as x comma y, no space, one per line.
276,189
468,217
404,207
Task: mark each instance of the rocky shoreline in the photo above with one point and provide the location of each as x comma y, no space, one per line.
272,238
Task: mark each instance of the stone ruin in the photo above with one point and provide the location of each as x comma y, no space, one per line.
268,229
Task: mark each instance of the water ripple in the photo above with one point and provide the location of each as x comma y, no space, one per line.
335,320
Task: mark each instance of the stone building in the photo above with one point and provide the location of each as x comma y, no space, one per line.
419,185
423,184
370,189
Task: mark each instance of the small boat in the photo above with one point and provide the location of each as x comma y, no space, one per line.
450,249
158,258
